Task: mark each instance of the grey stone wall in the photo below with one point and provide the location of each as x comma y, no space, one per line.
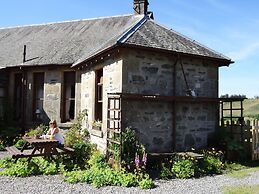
152,73
194,122
53,80
112,83
153,123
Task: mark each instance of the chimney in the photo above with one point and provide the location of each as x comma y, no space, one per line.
140,7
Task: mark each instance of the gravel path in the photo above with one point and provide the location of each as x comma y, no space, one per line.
55,184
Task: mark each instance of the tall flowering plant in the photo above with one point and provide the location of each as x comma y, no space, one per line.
134,155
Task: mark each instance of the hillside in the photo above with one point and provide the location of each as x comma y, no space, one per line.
251,107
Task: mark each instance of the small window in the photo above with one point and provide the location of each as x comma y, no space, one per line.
68,96
99,95
38,95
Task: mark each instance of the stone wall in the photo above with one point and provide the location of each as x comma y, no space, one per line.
112,79
53,80
194,122
152,73
153,123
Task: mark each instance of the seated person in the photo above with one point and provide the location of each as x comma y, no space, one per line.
54,132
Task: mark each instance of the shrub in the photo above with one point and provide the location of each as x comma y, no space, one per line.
165,172
183,168
2,147
39,130
97,160
212,165
146,183
22,168
76,134
20,143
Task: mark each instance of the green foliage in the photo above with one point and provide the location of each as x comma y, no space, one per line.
83,152
100,174
39,130
129,148
2,147
20,143
244,189
146,183
22,168
97,160
76,134
8,134
107,176
184,168
212,165
134,156
25,168
165,172
47,167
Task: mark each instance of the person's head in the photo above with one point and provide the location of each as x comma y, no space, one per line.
53,123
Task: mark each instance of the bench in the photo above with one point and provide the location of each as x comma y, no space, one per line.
67,149
15,152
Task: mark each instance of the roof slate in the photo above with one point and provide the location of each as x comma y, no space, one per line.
60,43
75,41
154,35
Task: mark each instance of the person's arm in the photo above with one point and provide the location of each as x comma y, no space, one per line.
56,130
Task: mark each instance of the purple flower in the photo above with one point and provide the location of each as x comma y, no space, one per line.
137,161
144,159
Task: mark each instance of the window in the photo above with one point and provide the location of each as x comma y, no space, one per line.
68,97
38,94
99,95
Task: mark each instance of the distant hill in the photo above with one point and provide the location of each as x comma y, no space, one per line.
251,108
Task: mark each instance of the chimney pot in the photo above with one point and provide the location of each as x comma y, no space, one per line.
140,7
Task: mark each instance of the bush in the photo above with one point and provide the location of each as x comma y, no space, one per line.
20,143
25,168
165,172
183,168
22,168
2,147
212,165
146,183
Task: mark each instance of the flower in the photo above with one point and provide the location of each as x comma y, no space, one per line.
97,123
137,161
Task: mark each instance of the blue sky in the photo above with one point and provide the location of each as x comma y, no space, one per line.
230,27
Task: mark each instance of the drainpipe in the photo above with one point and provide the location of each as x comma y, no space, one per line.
24,91
174,105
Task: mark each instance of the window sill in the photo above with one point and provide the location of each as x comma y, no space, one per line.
97,133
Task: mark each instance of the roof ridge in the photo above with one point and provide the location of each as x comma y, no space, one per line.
125,36
68,21
192,40
121,37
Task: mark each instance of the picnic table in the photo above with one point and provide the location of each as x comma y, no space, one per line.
41,147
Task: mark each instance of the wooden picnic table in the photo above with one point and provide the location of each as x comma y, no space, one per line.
45,147
41,147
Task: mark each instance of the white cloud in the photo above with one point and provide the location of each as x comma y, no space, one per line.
245,52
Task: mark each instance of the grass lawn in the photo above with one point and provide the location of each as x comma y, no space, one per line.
242,189
236,170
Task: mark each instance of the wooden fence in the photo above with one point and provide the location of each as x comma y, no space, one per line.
246,133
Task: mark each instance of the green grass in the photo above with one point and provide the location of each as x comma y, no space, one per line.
241,189
236,170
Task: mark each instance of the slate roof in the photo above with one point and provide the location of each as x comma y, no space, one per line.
60,43
154,35
76,41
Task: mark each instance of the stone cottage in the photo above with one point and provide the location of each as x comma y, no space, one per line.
127,71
